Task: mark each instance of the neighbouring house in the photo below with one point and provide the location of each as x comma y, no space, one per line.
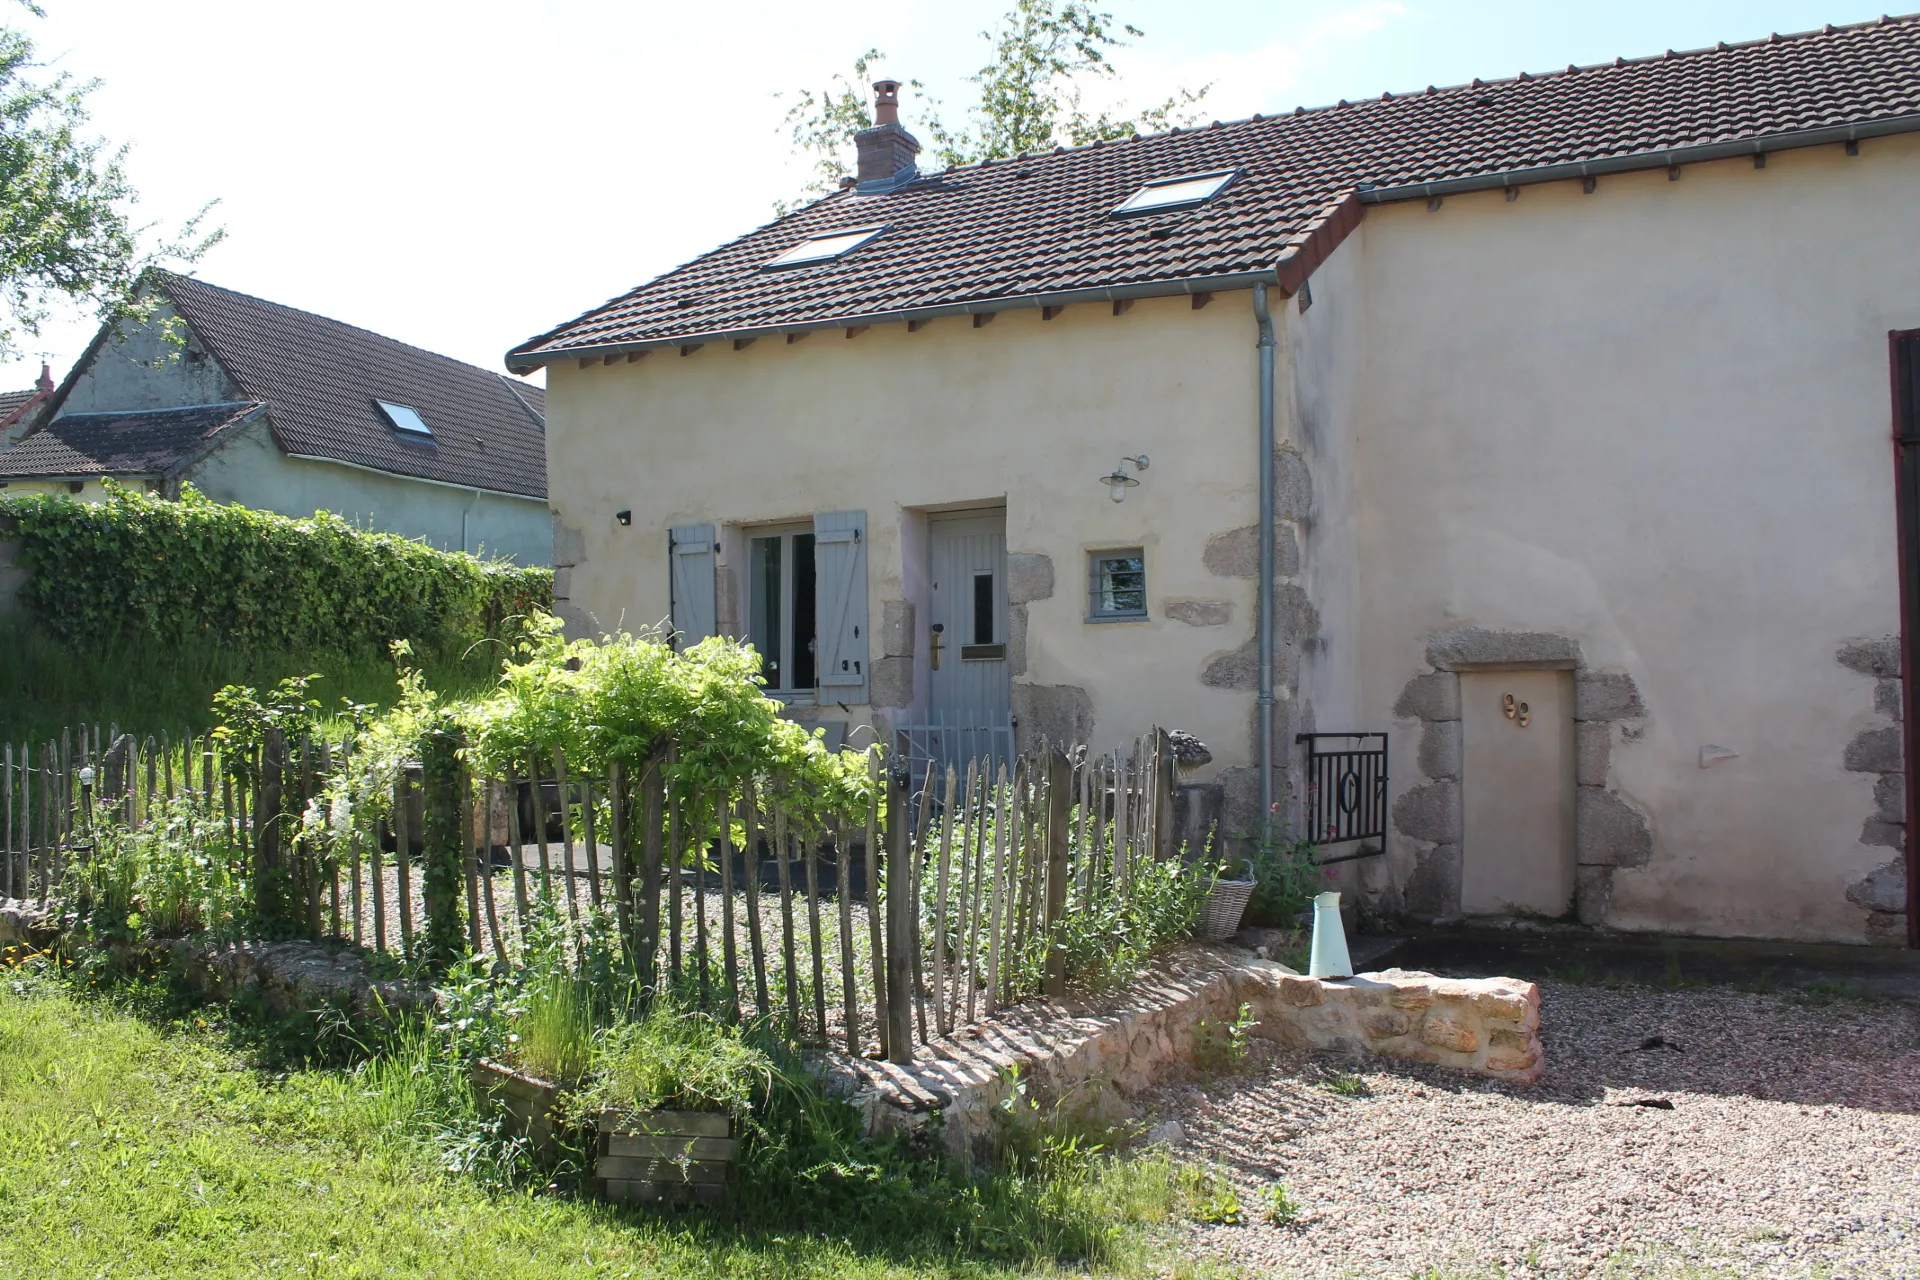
1539,424
20,409
261,404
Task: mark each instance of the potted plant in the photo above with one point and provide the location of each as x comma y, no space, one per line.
670,1092
548,1052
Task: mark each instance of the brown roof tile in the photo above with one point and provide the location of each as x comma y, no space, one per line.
320,379
1040,225
146,442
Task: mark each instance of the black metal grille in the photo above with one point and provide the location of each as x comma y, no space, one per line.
1346,789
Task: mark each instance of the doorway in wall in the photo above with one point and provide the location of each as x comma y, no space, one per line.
1906,437
968,694
1517,789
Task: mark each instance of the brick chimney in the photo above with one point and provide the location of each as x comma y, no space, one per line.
886,151
45,382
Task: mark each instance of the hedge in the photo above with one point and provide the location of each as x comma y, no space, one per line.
143,565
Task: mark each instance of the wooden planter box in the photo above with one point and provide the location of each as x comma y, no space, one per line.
674,1156
527,1102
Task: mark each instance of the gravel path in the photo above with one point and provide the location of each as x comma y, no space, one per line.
1792,1149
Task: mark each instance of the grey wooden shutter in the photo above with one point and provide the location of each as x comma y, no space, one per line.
840,570
690,551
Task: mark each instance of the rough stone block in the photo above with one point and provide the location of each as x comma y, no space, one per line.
1294,618
1016,640
1514,1062
1384,1024
1443,1032
1478,646
1608,831
1199,613
1890,797
1593,893
1890,835
1871,657
1062,713
1292,485
1886,928
1875,751
1029,577
1429,812
1239,669
1433,890
890,682
1592,753
1411,996
1302,993
1236,553
896,628
1508,1041
1887,699
1440,749
1602,695
1435,696
1501,1008
569,544
1882,889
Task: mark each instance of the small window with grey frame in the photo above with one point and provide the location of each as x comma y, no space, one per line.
1117,583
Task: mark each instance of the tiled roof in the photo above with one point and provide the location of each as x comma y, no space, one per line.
320,379
1039,225
11,402
146,442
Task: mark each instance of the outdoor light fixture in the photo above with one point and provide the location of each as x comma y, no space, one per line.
1119,482
86,775
624,517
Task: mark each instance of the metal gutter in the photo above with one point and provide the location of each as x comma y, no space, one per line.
1264,631
1639,160
1024,302
401,475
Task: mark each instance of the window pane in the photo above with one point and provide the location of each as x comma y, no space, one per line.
1121,585
805,623
764,603
1196,190
982,608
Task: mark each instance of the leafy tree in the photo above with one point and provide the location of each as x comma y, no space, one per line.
1030,96
66,206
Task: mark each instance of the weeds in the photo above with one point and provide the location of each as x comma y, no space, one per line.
1347,1085
1278,1204
1219,1048
1209,1197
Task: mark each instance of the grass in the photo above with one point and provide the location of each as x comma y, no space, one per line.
134,1149
47,685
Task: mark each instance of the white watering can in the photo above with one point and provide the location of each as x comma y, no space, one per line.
1329,958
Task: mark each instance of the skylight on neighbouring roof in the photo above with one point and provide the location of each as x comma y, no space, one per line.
1176,193
820,248
405,419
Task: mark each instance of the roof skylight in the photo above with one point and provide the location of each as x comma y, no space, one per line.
1177,193
405,419
821,248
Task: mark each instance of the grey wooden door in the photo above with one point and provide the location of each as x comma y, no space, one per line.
968,699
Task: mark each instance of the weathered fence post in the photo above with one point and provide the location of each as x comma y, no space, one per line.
1059,814
653,800
617,798
269,891
901,909
442,854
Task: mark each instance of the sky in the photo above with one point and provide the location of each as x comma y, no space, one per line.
463,175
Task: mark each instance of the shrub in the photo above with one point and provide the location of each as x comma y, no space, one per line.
141,565
171,876
1286,878
679,1057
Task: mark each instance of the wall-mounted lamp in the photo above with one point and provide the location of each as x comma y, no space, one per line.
624,517
1119,482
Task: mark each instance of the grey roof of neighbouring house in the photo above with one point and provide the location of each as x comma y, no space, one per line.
1041,227
320,380
145,442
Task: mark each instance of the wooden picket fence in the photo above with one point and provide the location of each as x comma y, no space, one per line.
721,894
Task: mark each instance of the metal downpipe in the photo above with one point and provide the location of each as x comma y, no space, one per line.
1264,632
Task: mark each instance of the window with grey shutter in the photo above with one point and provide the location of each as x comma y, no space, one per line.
690,550
840,575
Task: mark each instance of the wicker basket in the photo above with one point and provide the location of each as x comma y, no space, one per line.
1226,903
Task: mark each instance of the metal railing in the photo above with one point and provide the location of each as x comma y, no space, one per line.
1346,798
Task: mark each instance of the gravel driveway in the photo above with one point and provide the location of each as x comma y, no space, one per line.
1792,1148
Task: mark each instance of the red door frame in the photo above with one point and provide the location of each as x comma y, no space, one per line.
1904,357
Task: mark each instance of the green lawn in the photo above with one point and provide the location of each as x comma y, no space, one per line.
131,1149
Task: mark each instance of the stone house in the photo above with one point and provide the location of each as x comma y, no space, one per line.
1539,424
261,404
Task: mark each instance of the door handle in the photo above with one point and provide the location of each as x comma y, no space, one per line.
933,647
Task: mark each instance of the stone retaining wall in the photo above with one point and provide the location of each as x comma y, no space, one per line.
1091,1058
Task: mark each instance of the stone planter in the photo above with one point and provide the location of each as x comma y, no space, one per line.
673,1156
526,1101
